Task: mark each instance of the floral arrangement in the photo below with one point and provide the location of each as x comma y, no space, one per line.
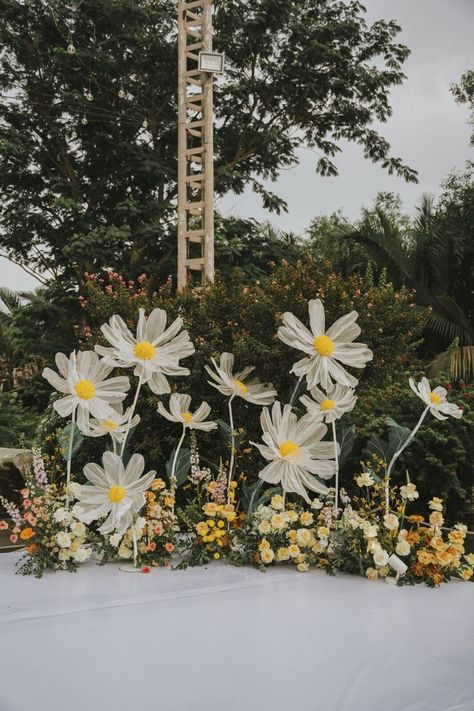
123,512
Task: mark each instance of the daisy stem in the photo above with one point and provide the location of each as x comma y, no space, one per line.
132,412
336,459
69,456
295,390
408,441
232,448
173,467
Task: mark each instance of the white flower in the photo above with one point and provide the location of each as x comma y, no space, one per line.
435,399
115,539
236,384
325,350
317,504
294,450
73,489
436,504
403,547
115,424
154,352
330,406
364,479
60,515
115,491
380,558
83,380
78,529
124,551
179,411
390,521
63,539
371,574
408,491
370,529
82,554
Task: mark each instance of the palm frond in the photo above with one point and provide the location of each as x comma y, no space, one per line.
449,321
10,299
457,362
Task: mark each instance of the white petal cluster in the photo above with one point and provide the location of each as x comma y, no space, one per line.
180,411
116,424
83,380
295,453
325,350
114,491
154,352
329,406
435,400
237,384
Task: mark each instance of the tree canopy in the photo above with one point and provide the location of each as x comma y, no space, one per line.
88,117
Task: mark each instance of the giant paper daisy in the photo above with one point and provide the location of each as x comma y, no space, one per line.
237,384
295,453
435,399
116,424
82,378
114,491
180,411
329,406
154,352
325,350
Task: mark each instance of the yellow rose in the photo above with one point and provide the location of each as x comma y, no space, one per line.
291,516
169,501
466,573
202,528
278,522
437,543
323,531
267,555
306,518
371,574
303,537
294,551
264,544
436,518
302,567
470,558
264,527
210,509
282,554
277,502
456,537
292,536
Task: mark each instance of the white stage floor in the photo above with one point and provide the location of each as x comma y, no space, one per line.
232,639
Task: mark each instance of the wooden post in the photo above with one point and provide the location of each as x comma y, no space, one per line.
195,144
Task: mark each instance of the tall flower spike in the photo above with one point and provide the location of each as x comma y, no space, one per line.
179,411
82,379
325,350
295,452
237,384
154,352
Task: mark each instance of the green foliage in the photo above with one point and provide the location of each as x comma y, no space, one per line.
86,184
17,423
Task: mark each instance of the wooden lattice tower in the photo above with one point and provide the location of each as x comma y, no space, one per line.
195,145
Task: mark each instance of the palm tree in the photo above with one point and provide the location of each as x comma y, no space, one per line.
429,259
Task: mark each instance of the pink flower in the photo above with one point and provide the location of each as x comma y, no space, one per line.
26,503
3,525
169,547
14,538
151,546
158,530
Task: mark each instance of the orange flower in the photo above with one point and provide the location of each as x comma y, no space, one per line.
169,547
412,537
26,534
32,548
415,518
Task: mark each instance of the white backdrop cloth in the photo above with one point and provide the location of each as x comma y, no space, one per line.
232,639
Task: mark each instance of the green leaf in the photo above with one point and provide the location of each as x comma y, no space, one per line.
346,438
64,437
183,465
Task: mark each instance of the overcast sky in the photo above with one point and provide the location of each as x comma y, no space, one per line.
428,130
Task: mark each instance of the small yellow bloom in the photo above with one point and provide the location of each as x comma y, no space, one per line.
294,551
221,524
282,554
210,509
211,523
277,502
323,531
267,555
302,567
158,484
466,573
217,556
169,501
306,518
264,544
202,528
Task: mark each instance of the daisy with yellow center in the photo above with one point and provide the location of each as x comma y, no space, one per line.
326,351
82,378
180,411
116,424
114,491
298,460
154,352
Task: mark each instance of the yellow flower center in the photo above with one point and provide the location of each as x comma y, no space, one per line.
288,449
144,350
116,493
435,399
328,405
187,416
84,389
243,389
109,425
324,345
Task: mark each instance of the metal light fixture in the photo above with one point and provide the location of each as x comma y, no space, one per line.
211,62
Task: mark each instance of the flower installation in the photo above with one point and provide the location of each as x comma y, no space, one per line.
294,513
